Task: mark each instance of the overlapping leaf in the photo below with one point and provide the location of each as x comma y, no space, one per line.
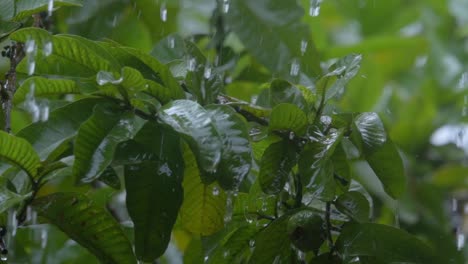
355,205
43,87
19,152
8,198
288,117
25,8
88,224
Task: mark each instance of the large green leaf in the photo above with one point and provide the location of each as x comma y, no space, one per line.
25,8
7,27
44,87
288,117
355,205
98,138
204,206
18,151
61,126
277,25
371,131
272,244
88,224
236,157
154,196
195,124
130,80
385,242
275,166
282,91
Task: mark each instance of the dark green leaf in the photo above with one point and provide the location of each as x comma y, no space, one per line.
154,196
19,152
7,27
282,91
89,225
371,131
25,8
275,166
8,198
355,205
288,117
109,177
39,86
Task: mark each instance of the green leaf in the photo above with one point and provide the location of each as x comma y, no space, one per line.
61,126
130,80
272,244
385,242
236,157
371,131
8,198
154,196
98,138
451,177
275,166
204,206
88,224
7,9
18,151
288,117
278,25
43,87
194,123
25,8
282,91
387,164
7,27
316,167
110,178
355,205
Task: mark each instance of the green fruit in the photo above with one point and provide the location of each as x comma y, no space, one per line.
306,231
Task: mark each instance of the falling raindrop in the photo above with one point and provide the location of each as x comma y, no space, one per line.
44,236
291,135
50,7
304,45
207,72
44,110
163,12
215,191
460,240
3,258
295,67
12,222
31,50
191,65
226,5
251,243
206,259
228,214
314,9
31,105
171,42
114,21
48,48
225,253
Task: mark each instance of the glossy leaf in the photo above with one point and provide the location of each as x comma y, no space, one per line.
44,87
25,8
194,123
88,224
371,131
236,157
282,91
204,206
355,205
275,166
19,152
154,196
62,125
385,242
288,117
98,138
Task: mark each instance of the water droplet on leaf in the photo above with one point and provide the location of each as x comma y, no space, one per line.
314,9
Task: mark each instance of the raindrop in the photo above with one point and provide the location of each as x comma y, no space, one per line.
50,7
314,9
228,214
44,235
225,253
171,42
163,12
12,222
295,67
291,135
114,21
301,255
192,63
30,104
48,48
460,240
207,72
226,5
251,243
30,46
3,258
30,49
206,258
44,110
215,191
304,45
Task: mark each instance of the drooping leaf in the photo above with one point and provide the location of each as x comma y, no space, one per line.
43,87
25,8
98,138
204,206
236,157
194,123
88,224
18,151
288,117
371,131
154,196
275,166
355,205
62,125
385,242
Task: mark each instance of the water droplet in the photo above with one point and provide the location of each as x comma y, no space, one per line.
460,240
206,258
44,110
30,46
12,222
163,12
314,9
295,67
48,48
192,64
304,45
50,7
44,235
215,191
251,243
225,253
171,42
31,50
114,21
228,214
207,72
3,258
31,105
226,5
291,135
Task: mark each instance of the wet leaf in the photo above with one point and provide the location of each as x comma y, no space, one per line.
236,156
355,205
44,87
275,166
88,224
371,131
154,196
98,138
25,8
385,242
288,117
7,27
195,125
8,198
282,91
19,152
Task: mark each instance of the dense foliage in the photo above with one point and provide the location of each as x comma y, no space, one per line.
229,131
